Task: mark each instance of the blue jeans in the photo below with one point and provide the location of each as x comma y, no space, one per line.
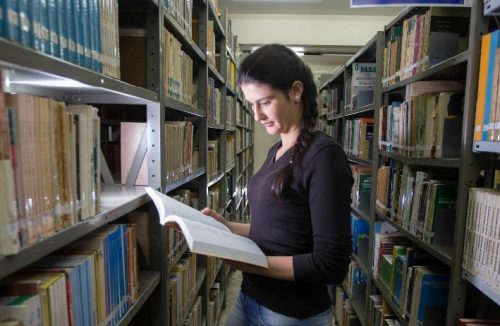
247,312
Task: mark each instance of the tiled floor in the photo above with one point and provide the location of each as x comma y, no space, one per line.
232,291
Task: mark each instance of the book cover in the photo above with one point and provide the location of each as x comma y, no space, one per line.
44,27
430,297
203,234
440,218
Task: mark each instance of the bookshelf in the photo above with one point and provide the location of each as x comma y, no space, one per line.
149,99
473,164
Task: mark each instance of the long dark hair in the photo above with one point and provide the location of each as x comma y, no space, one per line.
278,66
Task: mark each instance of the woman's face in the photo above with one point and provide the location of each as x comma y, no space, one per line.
278,113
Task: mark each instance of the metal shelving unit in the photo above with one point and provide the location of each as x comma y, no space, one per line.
27,71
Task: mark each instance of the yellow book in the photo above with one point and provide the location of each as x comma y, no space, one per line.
481,88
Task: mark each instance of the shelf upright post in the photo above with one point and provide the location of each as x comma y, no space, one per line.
379,60
469,165
156,159
202,133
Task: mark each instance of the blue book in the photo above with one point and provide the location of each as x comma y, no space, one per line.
1,17
73,270
54,49
123,267
44,27
495,43
24,22
70,30
62,29
10,20
358,228
35,28
84,26
432,295
78,33
96,36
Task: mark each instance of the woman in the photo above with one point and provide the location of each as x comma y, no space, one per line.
299,199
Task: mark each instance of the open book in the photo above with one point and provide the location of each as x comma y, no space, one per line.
204,235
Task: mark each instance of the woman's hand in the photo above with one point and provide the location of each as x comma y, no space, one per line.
210,212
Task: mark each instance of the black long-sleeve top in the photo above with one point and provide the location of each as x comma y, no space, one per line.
311,223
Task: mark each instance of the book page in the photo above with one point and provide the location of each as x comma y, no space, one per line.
207,240
205,235
167,206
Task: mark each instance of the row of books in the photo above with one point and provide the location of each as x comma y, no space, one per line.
214,109
242,116
487,122
178,72
215,301
358,137
243,139
380,312
413,279
182,288
420,202
230,110
175,240
83,32
330,102
179,150
343,311
93,281
211,45
482,237
230,149
355,282
427,123
424,40
49,171
214,265
182,12
212,159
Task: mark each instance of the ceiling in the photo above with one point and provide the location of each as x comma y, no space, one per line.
303,7
322,59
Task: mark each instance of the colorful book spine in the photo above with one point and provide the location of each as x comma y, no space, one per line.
24,22
84,26
10,20
69,7
77,21
493,42
52,22
35,28
44,27
62,29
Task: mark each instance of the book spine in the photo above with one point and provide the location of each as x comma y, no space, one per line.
44,27
24,22
35,28
54,48
11,20
493,42
62,29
